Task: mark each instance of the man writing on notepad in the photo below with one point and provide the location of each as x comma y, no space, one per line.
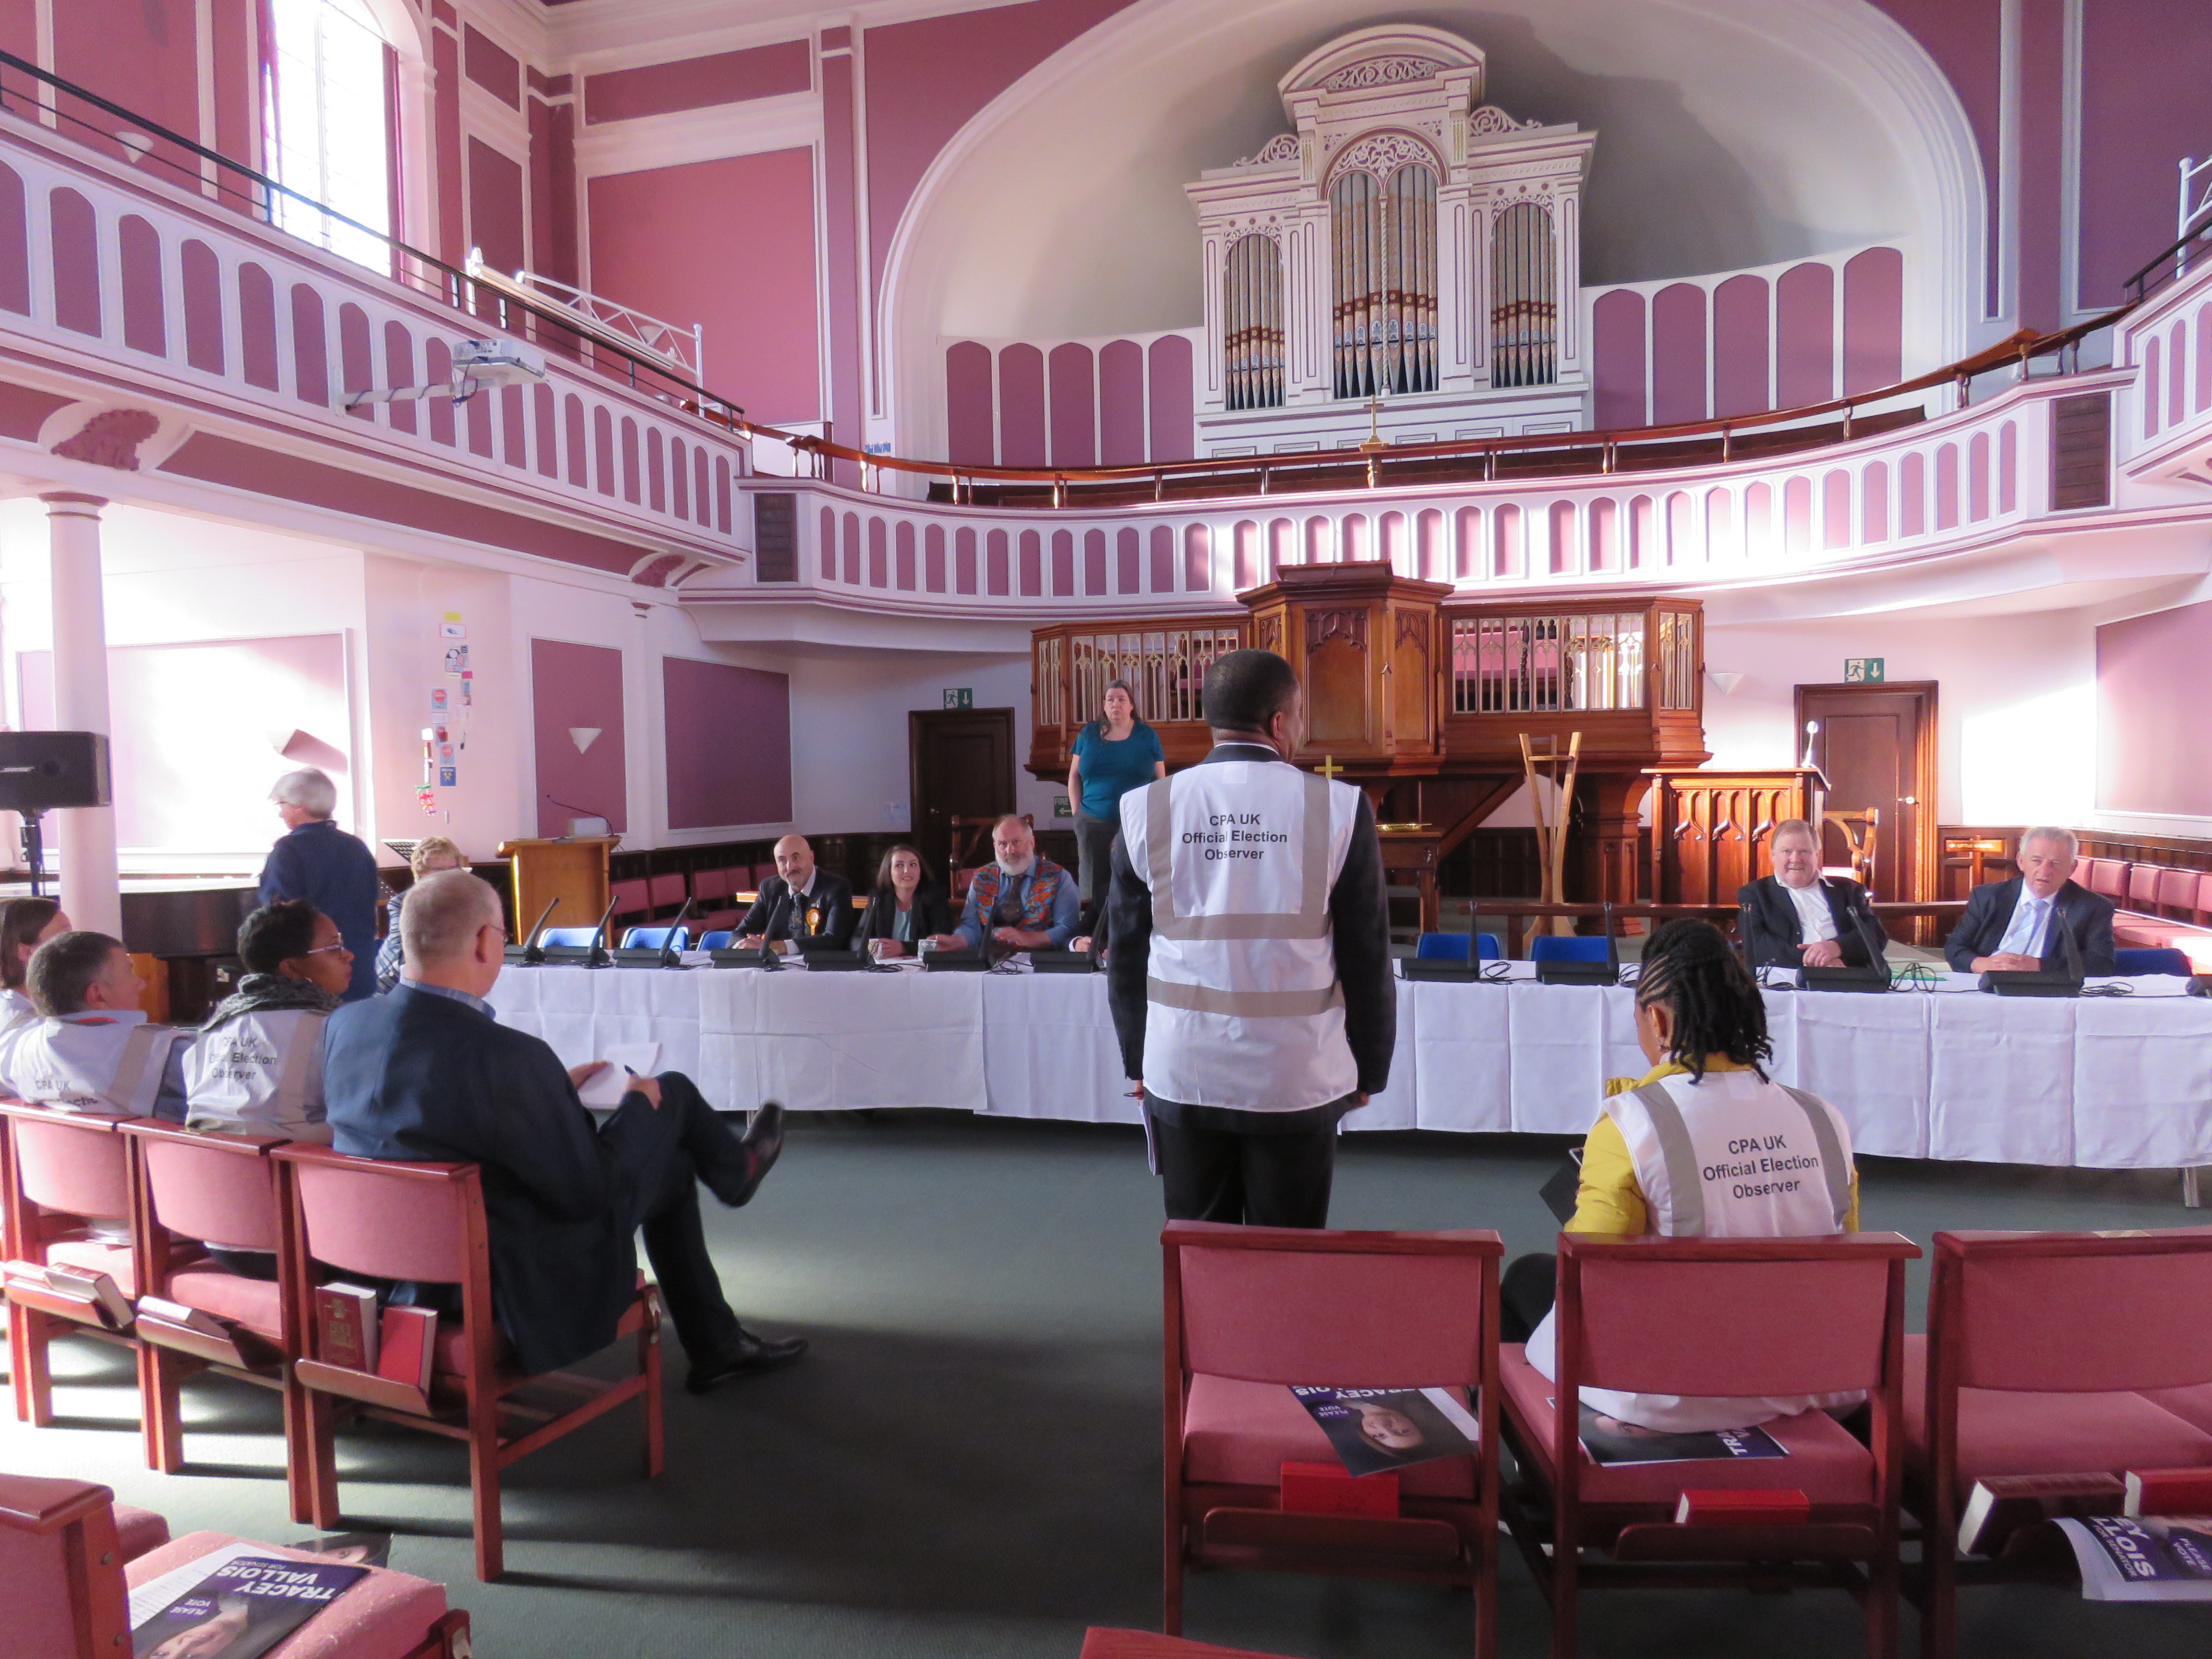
425,1073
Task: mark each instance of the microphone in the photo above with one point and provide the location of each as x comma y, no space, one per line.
599,958
2074,964
1612,944
669,957
533,953
1863,923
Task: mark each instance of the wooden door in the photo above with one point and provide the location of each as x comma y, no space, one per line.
1877,745
961,763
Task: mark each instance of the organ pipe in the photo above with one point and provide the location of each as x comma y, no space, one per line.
1524,312
1384,325
1252,343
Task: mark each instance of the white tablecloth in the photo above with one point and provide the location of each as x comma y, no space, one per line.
2117,1082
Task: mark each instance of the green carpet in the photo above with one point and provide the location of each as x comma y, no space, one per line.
968,1463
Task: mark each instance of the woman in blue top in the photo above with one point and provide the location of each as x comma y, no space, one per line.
1113,755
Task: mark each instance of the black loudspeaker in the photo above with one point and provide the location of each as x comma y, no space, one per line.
44,769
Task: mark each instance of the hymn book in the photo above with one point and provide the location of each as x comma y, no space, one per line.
346,1327
2001,1504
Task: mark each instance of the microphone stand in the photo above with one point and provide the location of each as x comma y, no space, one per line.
533,953
670,957
1612,945
599,957
2074,963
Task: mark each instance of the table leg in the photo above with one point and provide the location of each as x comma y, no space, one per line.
2192,1196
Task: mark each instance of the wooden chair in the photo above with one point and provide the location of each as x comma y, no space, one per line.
425,1222
1099,1643
70,1556
1726,1317
1860,831
221,1187
2049,1353
1250,1311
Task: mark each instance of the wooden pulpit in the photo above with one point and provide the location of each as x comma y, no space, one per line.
1712,828
573,872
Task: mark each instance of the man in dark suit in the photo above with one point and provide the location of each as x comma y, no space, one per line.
424,1073
799,900
1795,919
2013,927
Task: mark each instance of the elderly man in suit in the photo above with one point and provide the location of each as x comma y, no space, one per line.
800,901
425,1072
1796,919
315,860
2014,925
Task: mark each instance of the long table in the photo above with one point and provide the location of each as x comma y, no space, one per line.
2122,1082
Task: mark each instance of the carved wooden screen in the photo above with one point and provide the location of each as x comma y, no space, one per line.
1252,345
1524,319
1385,235
1547,665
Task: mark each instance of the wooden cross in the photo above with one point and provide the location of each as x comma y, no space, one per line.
1328,767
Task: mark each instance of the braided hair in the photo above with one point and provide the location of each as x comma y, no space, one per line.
1689,968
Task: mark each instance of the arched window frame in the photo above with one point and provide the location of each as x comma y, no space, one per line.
411,201
1524,313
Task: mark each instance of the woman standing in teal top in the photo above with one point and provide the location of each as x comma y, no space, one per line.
1113,755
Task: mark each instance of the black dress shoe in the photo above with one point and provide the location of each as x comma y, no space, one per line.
752,1356
764,1145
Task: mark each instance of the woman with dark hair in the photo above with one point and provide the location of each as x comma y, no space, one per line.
906,908
25,925
1115,753
1705,1144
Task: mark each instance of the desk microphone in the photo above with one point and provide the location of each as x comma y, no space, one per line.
1862,922
599,957
533,953
669,957
2074,963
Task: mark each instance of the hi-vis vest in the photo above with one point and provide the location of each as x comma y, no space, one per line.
261,1072
1244,1007
1731,1156
89,1062
16,1009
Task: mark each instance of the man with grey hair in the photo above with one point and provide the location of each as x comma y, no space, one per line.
336,873
2020,925
425,1072
1021,901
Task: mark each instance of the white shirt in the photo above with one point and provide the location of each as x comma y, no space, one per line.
1815,920
2023,935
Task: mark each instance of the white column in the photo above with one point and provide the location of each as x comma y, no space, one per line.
91,893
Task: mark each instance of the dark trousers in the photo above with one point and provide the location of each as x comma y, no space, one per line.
1525,1294
1262,1180
1094,863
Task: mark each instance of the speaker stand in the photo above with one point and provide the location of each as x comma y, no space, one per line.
34,849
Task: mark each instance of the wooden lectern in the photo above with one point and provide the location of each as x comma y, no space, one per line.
573,872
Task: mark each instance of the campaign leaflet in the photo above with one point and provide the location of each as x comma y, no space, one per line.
242,1608
359,1549
2125,1558
1612,1443
1374,1430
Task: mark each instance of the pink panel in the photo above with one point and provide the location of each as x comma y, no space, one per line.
1678,355
1121,403
2203,358
310,349
1032,557
1739,325
1978,478
1197,559
1946,486
494,69
1912,495
2007,467
438,368
1162,559
76,261
826,540
2142,726
1720,524
723,494
963,560
629,462
446,142
1075,423
514,432
14,245
1000,578
932,559
2150,384
1429,538
547,410
1398,544
1604,534
1798,515
1679,510
851,561
144,329
1282,545
1021,406
703,508
1563,559
1353,540
578,685
203,283
1836,509
1063,563
1174,435
356,361
968,437
656,481
1874,320
1466,538
1874,503
2176,369
1805,335
398,371
728,735
880,573
1094,563
603,438
257,326
496,210
1321,541
476,415
1510,550
1643,533
1128,561
1758,525
1617,351
728,78
903,555
2143,70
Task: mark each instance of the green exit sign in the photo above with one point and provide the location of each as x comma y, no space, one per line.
959,696
1865,670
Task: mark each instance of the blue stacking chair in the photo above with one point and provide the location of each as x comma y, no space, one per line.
657,938
575,936
1452,947
1566,947
2161,959
717,939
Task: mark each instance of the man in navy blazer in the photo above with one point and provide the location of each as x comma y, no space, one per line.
801,900
424,1073
2009,925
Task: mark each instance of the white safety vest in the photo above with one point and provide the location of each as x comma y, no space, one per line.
1244,1010
92,1062
16,1009
261,1073
1731,1156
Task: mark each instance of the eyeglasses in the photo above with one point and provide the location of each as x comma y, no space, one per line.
320,949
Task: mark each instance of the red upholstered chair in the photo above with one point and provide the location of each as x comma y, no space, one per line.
65,1169
632,900
1726,1317
2203,900
70,1556
664,894
2142,887
426,1222
1250,1311
2177,894
2050,1354
224,1189
1099,1643
2106,876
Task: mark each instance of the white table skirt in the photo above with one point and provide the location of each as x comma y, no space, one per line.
2120,1083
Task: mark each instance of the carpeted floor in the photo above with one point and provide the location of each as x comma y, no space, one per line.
967,1464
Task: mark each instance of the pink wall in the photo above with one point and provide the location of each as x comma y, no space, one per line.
2145,66
730,245
1074,409
1678,355
1617,349
2150,739
491,67
578,685
1962,36
728,737
728,78
496,208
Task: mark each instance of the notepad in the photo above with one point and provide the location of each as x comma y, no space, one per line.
605,1093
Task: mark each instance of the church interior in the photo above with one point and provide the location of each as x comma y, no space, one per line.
619,437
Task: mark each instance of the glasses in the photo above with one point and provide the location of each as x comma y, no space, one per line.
320,949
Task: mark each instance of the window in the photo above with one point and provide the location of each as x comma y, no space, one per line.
1386,276
1252,289
325,106
1524,310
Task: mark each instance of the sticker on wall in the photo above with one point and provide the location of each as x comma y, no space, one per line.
1866,671
427,798
446,753
456,661
447,776
453,627
468,692
437,699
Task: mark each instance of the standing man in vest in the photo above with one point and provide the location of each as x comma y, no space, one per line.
1251,973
